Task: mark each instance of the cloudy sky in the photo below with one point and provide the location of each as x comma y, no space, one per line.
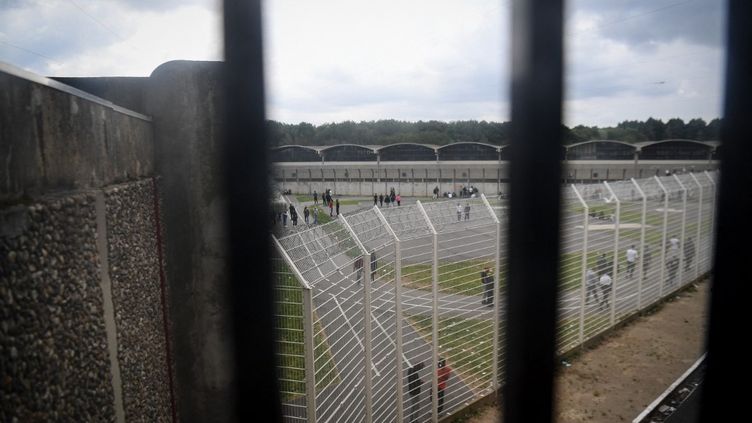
335,60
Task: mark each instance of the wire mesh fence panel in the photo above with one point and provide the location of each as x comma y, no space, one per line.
653,247
288,325
674,257
624,245
691,226
571,284
627,283
467,259
373,234
601,207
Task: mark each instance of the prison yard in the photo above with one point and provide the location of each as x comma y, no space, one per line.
365,297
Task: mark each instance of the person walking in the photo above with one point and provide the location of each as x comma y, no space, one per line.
602,264
436,193
605,290
294,217
387,200
306,213
381,200
399,200
315,197
631,260
338,207
467,211
331,207
316,216
459,212
392,198
284,218
374,265
358,267
486,279
689,253
375,199
672,262
414,384
591,283
443,373
646,260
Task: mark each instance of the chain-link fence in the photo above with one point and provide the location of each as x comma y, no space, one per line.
354,345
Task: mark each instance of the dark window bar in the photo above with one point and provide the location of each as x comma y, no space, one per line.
535,172
723,398
246,170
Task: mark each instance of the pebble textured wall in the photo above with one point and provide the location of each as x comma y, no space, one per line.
134,272
54,364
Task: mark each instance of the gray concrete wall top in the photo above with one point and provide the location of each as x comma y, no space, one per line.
57,138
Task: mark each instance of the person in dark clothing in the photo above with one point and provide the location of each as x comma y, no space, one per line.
358,265
414,384
337,205
331,207
375,199
443,373
486,279
386,200
602,264
381,200
374,265
315,197
689,253
306,213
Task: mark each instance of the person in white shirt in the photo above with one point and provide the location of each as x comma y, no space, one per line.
605,289
631,260
672,261
459,212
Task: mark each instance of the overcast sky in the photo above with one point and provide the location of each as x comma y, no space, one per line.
336,60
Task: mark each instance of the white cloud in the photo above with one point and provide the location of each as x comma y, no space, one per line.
334,60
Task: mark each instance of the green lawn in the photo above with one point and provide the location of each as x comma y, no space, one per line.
454,277
467,345
290,340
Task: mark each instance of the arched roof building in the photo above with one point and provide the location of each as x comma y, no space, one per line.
468,151
600,150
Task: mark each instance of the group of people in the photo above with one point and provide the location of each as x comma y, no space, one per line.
460,209
415,383
328,201
390,199
602,281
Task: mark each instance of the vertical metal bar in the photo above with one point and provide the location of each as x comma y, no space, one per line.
729,302
663,242
435,315
537,57
309,349
641,260
497,306
615,258
246,159
397,313
682,242
367,357
583,276
698,240
711,236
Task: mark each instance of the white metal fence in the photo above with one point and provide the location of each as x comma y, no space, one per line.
349,337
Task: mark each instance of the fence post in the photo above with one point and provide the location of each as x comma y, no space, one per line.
663,241
641,260
699,226
497,306
309,350
615,264
397,314
435,316
583,275
683,242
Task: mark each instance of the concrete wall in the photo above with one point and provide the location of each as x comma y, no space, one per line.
54,140
420,178
82,334
183,99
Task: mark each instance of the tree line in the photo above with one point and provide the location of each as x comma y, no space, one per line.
390,131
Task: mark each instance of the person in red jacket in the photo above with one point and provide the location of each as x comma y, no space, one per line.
443,373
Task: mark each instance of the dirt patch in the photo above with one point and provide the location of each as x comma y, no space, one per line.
617,379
